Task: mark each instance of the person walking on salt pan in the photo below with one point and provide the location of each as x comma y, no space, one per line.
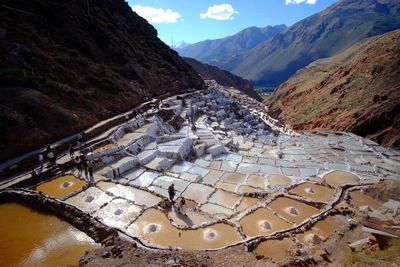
182,207
171,193
90,166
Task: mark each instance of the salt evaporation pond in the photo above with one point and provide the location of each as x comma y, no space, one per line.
61,186
29,238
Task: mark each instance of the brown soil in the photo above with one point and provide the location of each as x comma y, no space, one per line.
133,256
355,91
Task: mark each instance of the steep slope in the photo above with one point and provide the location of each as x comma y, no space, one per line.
213,51
66,65
223,77
357,90
319,36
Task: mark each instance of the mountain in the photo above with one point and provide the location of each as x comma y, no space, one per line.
357,90
223,77
66,65
213,51
318,36
180,45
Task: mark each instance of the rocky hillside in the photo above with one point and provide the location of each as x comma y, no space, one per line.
215,51
66,65
358,91
223,77
319,36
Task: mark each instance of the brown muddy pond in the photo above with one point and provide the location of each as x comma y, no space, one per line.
277,250
293,210
277,179
340,178
359,199
103,148
61,186
155,227
323,228
314,192
29,238
262,222
246,203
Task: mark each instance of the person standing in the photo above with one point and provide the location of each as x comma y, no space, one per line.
51,158
182,207
71,151
85,167
90,167
171,193
34,176
78,164
41,159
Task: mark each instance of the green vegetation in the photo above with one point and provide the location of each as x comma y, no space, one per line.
16,77
389,256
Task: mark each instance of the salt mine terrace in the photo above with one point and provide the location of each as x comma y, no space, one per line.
246,177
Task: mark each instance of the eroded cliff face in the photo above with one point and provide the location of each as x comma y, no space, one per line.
66,65
356,91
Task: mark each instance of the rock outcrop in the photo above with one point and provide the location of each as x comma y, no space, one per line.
65,65
357,91
223,77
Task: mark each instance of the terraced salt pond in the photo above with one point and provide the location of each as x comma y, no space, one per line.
341,178
154,226
29,238
359,199
292,210
314,192
61,186
277,250
244,179
262,222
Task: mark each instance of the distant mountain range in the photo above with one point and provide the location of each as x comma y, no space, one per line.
180,45
357,91
223,77
214,51
321,35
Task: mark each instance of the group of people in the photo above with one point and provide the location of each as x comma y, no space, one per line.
181,206
85,165
50,155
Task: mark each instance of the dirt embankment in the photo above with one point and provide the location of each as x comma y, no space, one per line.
65,65
356,91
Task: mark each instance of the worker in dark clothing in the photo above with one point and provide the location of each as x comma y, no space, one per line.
171,192
71,151
34,176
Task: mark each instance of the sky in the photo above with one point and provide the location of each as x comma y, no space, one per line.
197,20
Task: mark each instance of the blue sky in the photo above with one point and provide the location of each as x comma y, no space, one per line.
197,20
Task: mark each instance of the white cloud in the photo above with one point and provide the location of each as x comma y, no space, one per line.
157,15
310,2
219,12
